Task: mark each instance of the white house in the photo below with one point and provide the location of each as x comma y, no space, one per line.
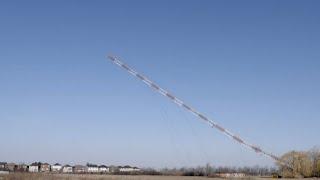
34,167
56,167
103,169
2,165
92,168
128,169
136,169
231,175
67,169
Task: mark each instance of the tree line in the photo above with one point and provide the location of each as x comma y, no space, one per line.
212,171
296,164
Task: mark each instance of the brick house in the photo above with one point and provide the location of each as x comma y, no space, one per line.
80,169
44,167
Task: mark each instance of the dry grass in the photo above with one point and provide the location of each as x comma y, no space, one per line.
40,176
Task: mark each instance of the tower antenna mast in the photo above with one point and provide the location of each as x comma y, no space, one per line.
187,107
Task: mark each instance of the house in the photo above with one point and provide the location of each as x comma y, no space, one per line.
56,167
136,169
11,167
34,167
103,169
3,165
21,168
113,169
67,169
231,175
128,169
92,168
80,169
44,167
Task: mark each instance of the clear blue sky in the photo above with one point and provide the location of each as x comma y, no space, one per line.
251,66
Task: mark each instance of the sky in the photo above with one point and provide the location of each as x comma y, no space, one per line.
251,66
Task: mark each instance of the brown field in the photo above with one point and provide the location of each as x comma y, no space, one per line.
39,176
30,176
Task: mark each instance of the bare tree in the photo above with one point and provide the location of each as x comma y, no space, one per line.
314,155
300,163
